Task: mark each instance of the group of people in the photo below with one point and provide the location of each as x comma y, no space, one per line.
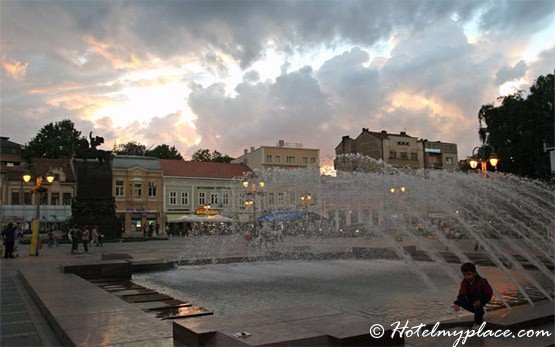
266,236
84,236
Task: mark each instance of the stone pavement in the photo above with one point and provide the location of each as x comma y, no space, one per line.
21,323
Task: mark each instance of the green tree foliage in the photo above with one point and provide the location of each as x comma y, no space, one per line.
164,152
519,127
130,148
206,155
54,140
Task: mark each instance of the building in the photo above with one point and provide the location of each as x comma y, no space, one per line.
195,187
19,202
137,190
284,155
398,150
440,155
11,153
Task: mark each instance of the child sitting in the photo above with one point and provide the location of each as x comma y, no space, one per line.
474,294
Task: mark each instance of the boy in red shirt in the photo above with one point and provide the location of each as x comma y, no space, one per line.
474,294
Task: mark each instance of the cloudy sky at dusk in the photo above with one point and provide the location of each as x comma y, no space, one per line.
234,74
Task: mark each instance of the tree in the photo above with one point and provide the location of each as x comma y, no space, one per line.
519,127
205,155
54,140
130,148
164,152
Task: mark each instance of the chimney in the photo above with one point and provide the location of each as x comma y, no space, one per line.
245,151
252,149
344,138
281,143
364,129
404,133
384,132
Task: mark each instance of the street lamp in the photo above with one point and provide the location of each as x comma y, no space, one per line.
252,183
480,157
38,190
306,199
393,190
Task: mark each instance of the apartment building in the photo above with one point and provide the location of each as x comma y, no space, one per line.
284,155
137,189
398,150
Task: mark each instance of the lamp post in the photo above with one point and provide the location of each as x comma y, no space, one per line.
252,183
479,156
38,190
393,191
306,199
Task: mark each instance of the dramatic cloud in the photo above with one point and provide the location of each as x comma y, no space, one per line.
234,74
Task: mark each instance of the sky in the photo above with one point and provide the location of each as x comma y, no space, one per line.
228,75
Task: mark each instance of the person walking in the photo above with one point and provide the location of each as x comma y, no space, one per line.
85,237
95,236
9,235
74,236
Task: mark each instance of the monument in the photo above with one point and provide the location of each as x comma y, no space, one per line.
94,204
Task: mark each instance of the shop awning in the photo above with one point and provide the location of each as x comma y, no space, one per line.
281,216
192,218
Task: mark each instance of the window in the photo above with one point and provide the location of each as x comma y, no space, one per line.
225,198
313,160
293,199
404,155
403,144
137,189
449,160
44,199
281,199
268,158
278,159
15,197
55,199
120,188
151,188
414,156
184,198
201,198
290,160
214,198
271,199
305,160
66,198
173,198
392,155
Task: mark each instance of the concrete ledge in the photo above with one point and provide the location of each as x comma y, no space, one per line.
115,256
83,314
113,269
289,326
152,264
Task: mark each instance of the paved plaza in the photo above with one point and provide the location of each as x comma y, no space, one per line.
23,324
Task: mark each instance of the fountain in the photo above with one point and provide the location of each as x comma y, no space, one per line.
422,224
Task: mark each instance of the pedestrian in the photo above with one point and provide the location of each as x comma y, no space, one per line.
100,238
157,230
474,293
85,238
95,236
9,234
74,236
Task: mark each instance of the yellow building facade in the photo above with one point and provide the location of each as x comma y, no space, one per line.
138,192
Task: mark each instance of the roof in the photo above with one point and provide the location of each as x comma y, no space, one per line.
9,147
128,161
202,169
40,166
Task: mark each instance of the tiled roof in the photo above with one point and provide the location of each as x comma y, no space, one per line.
43,165
127,161
202,169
